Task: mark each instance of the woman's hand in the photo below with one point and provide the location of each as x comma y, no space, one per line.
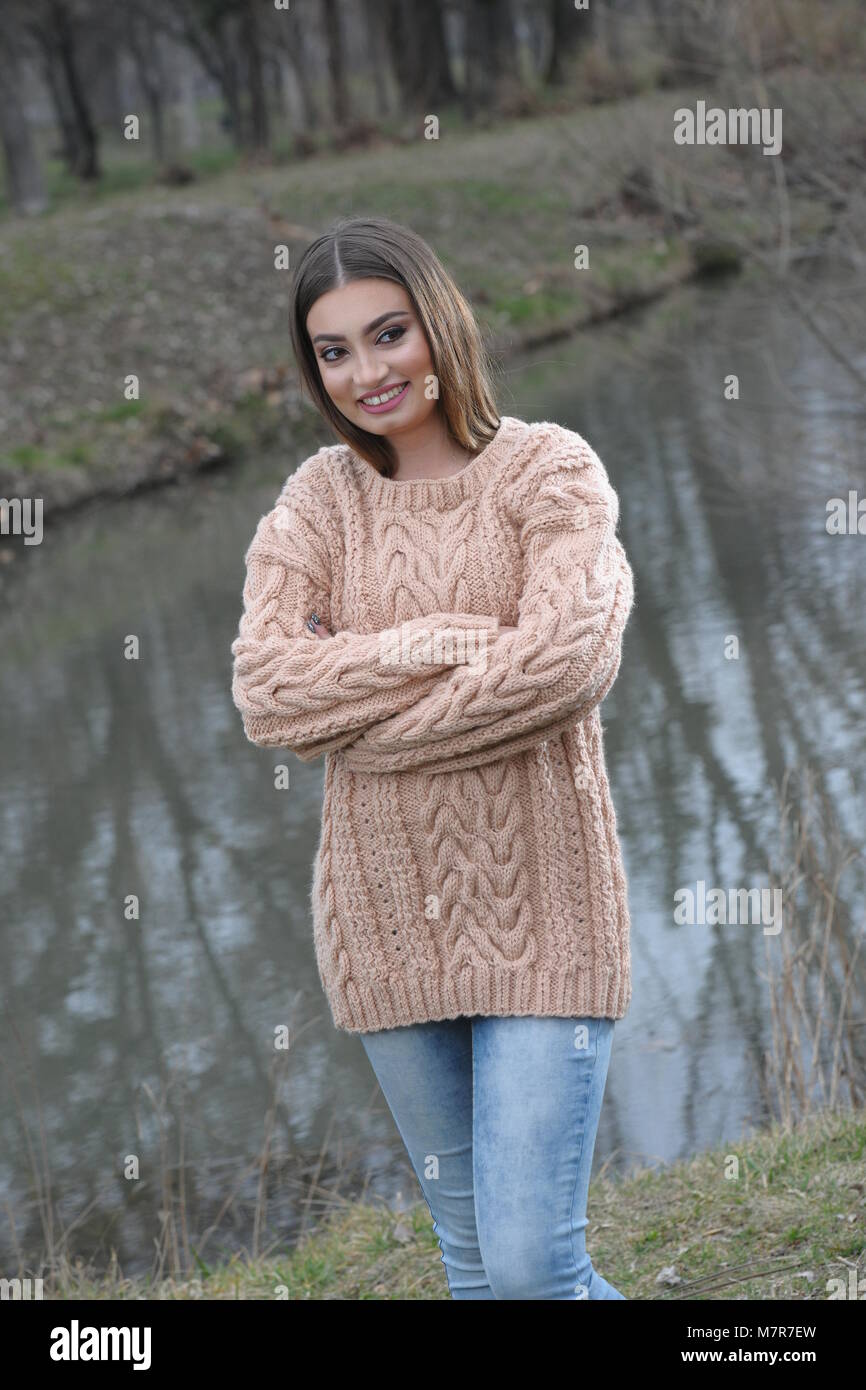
318,628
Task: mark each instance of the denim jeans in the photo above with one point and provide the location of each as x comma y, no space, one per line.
499,1118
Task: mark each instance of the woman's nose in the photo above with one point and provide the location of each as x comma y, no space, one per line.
365,383
369,371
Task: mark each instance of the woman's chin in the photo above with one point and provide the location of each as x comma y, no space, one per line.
391,422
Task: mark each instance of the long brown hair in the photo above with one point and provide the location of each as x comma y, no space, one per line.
359,248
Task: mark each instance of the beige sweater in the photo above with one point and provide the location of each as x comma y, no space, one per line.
468,860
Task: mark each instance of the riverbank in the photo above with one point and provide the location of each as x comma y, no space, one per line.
177,287
778,1215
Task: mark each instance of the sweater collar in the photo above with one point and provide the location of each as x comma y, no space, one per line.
416,493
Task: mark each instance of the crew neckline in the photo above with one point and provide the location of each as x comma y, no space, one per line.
433,492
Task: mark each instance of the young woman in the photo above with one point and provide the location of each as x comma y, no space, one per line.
437,603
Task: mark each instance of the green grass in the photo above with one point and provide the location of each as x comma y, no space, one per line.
796,1209
31,457
126,167
124,410
629,270
249,423
27,277
530,310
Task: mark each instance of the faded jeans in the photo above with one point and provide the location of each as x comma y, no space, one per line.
499,1119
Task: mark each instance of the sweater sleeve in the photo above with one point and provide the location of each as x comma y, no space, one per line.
560,662
312,695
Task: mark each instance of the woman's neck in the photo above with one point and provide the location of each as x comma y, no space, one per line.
429,452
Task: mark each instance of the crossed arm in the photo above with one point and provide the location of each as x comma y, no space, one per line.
312,696
316,694
548,672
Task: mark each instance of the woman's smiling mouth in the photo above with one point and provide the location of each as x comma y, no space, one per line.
386,399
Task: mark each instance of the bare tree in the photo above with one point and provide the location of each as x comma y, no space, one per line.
437,84
59,29
226,42
295,45
336,62
377,55
184,70
24,179
419,54
572,29
141,36
259,123
490,47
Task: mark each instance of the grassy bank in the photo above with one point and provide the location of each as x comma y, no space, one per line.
178,286
792,1218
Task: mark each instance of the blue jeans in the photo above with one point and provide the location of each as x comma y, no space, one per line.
499,1118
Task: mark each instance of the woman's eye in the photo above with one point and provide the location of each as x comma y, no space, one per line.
397,328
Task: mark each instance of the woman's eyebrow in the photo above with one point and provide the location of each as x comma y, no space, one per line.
394,314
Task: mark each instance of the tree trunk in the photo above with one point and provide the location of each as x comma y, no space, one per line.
187,110
377,56
613,29
227,76
503,37
419,56
336,65
572,29
50,65
295,50
484,48
432,64
106,79
275,85
87,147
154,106
490,47
259,123
538,37
214,33
143,45
418,48
397,22
24,182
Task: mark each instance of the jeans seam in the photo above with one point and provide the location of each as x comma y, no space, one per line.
580,1155
475,1157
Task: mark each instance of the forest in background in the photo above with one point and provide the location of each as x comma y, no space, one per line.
284,79
165,162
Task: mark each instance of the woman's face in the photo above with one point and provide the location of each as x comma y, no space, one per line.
368,340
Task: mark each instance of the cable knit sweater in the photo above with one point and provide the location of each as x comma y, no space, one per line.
468,860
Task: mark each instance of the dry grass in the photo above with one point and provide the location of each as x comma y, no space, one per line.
816,972
774,1216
